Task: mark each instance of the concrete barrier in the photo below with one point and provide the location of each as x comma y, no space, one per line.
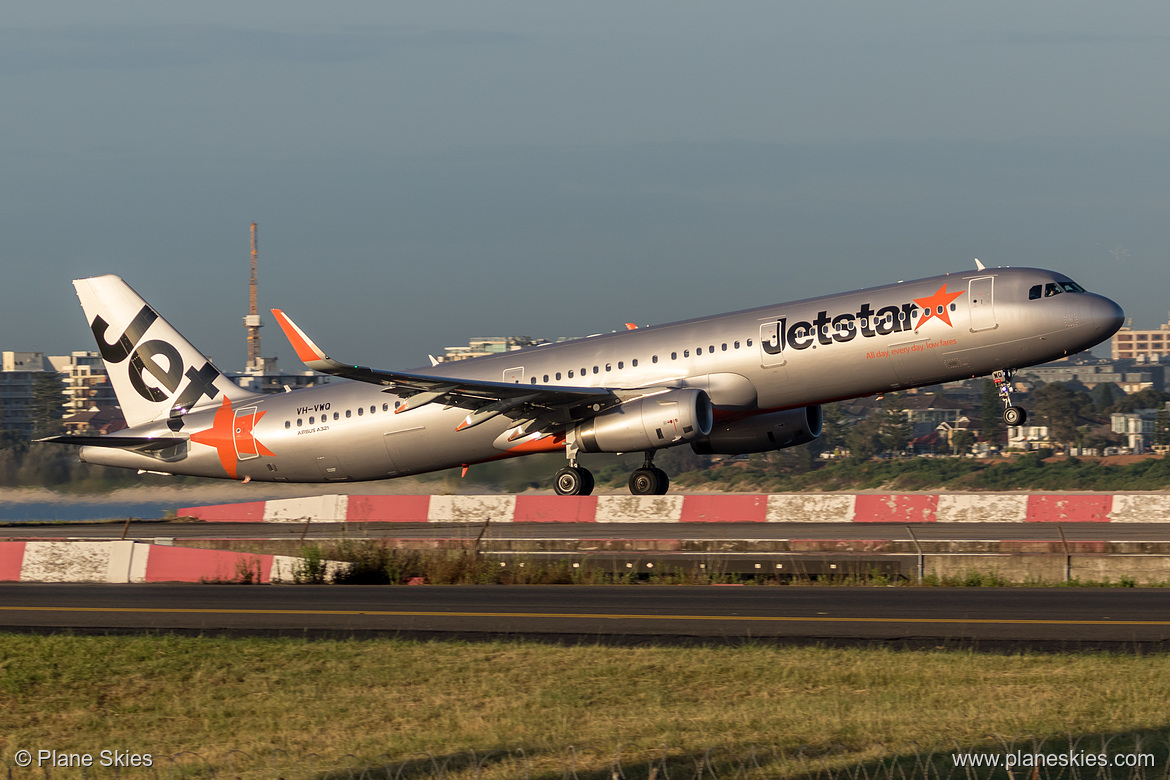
722,508
132,562
1069,509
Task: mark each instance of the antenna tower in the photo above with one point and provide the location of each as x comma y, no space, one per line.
252,321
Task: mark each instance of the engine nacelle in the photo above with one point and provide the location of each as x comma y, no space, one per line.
763,433
651,423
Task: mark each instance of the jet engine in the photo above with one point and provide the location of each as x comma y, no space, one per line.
763,433
648,423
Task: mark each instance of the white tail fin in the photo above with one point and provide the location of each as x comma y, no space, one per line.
156,373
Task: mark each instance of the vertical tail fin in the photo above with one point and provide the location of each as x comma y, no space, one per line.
156,373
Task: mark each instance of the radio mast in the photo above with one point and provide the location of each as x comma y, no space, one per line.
252,321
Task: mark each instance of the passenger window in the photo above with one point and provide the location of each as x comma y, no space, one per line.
558,376
545,380
724,347
347,414
674,356
711,349
736,345
300,422
311,420
698,350
596,370
607,366
570,374
654,359
385,408
373,409
749,342
361,411
287,424
1034,292
686,353
336,416
633,363
532,381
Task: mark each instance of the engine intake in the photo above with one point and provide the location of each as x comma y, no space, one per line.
650,423
763,433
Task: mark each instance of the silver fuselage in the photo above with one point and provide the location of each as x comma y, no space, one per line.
773,357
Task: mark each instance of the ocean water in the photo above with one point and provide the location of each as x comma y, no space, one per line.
81,511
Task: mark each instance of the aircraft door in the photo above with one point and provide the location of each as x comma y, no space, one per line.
242,434
771,347
514,375
980,295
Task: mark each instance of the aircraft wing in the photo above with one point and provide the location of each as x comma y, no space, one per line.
486,399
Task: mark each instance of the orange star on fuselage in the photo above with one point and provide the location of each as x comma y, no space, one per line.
937,305
223,437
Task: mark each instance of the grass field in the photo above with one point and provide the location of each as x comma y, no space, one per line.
539,710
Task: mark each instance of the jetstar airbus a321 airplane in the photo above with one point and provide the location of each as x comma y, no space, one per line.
749,381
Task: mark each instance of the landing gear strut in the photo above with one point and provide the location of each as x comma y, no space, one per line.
1012,414
573,480
649,480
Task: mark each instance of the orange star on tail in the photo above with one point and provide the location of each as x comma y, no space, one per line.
937,305
223,437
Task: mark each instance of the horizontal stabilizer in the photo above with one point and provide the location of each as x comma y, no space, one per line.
144,443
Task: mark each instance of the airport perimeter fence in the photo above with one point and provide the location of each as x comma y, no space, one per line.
1128,756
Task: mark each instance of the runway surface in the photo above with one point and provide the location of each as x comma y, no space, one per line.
1121,618
149,531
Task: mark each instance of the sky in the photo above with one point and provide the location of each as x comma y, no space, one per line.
423,172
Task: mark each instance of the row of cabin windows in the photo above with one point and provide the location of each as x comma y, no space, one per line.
336,415
621,364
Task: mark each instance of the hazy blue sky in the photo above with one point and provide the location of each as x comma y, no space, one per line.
424,172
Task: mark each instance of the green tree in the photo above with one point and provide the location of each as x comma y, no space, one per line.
834,428
1162,427
895,427
991,427
1061,409
1143,399
47,405
864,438
961,441
1104,396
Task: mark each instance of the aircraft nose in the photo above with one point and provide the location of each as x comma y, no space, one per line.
1106,315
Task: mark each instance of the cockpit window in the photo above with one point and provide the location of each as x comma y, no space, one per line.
1053,288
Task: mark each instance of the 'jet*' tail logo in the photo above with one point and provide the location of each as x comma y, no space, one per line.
145,357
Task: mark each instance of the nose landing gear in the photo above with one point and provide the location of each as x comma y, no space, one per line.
1012,414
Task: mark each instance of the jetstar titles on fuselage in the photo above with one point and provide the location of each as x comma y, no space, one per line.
825,329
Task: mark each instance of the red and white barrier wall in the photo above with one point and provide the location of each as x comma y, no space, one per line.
125,561
778,508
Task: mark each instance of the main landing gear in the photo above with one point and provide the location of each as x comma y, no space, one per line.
649,480
574,480
1012,414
